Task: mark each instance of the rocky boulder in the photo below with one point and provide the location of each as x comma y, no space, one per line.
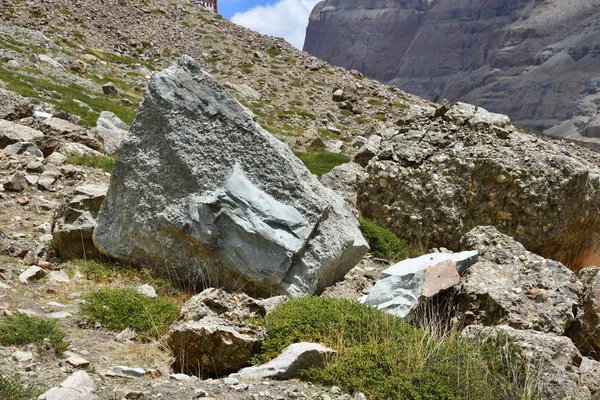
585,330
75,221
13,110
405,285
554,360
111,131
512,286
201,190
435,177
11,132
211,337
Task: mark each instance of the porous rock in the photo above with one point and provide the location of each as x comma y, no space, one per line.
585,330
403,286
553,359
202,188
75,220
510,285
436,178
294,359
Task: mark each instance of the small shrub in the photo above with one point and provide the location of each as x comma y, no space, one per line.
105,163
375,102
273,51
380,117
120,308
384,243
346,113
12,389
386,358
321,162
21,329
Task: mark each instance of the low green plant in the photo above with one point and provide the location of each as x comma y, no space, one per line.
321,162
120,308
346,113
273,51
375,102
21,329
386,358
384,243
105,163
12,389
380,117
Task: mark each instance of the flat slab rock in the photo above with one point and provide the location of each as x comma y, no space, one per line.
202,192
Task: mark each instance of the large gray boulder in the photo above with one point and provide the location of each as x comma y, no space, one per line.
512,286
201,192
405,285
11,132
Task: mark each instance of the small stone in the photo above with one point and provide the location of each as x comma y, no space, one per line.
336,390
32,273
77,361
146,290
122,393
180,377
47,265
231,381
59,315
126,335
22,356
30,258
109,89
501,179
59,277
127,371
32,179
78,66
338,95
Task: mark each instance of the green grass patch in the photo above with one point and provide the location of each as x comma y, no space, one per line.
385,358
120,308
273,51
13,389
384,243
346,113
380,117
21,329
105,163
321,162
375,102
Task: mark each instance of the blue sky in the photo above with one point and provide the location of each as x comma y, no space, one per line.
282,18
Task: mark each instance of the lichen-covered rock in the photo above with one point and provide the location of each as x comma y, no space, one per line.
585,331
512,286
201,192
436,177
554,360
75,221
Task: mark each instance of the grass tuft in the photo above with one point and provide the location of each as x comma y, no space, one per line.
321,162
384,243
120,308
12,389
21,329
105,163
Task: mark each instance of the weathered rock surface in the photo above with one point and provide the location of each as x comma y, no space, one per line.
553,359
198,181
11,132
585,330
111,131
438,175
403,286
293,359
75,221
13,110
512,286
210,336
343,179
534,61
79,386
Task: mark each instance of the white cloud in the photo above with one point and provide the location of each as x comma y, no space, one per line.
285,18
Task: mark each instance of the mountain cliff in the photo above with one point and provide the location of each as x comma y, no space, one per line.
536,61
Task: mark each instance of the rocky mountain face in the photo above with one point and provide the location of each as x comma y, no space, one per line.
535,61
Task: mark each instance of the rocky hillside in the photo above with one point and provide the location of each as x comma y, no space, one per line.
534,61
137,188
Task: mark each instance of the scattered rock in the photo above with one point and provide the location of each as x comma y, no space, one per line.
22,356
310,138
109,89
79,386
246,202
58,277
13,110
75,221
31,274
293,359
78,66
146,290
22,148
128,371
126,335
77,361
11,132
111,131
